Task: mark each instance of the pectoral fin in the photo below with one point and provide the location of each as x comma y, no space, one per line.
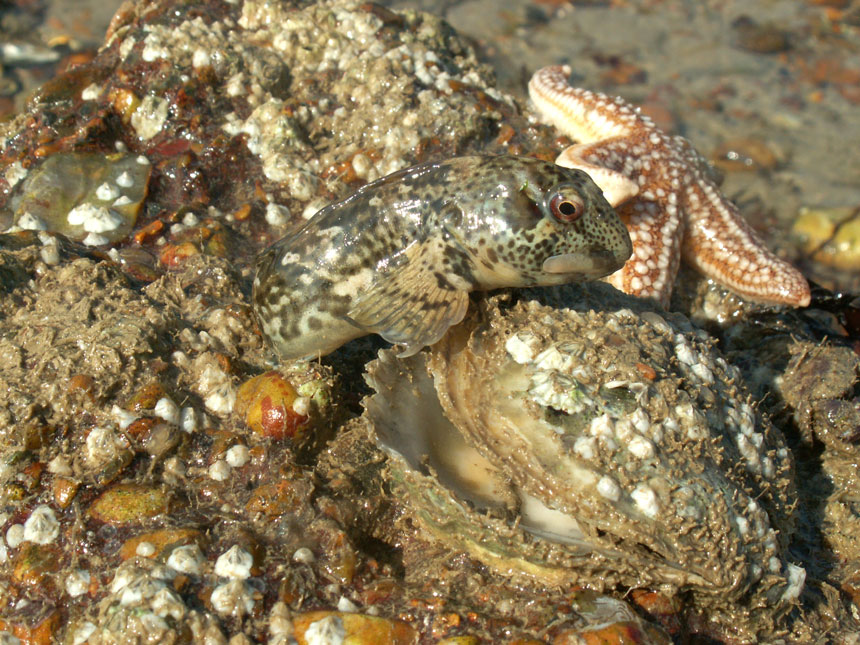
412,306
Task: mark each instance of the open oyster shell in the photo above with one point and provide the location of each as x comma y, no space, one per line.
589,448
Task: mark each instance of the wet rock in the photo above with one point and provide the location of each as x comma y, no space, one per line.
33,562
831,236
819,385
252,116
160,542
93,198
271,407
130,503
41,629
325,626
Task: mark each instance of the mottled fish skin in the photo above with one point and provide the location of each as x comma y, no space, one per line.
399,256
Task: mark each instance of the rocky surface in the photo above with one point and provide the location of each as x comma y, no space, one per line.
161,482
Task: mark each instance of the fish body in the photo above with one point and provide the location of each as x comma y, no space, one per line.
399,256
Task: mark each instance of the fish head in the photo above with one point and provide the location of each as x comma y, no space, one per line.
575,234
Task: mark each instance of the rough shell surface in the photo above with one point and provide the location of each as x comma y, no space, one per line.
621,442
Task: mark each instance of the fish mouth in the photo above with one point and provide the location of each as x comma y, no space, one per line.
592,264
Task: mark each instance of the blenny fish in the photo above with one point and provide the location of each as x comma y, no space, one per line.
399,257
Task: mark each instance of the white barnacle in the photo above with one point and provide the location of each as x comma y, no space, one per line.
77,582
107,192
188,559
326,631
704,372
234,563
166,602
94,219
145,549
602,426
640,447
42,526
232,598
609,488
219,470
624,431
646,500
685,352
639,419
237,456
125,180
167,410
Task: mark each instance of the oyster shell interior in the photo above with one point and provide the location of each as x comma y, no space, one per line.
600,448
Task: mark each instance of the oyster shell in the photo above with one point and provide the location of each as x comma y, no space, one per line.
589,448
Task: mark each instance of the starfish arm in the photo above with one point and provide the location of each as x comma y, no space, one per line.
723,246
616,187
582,115
677,208
655,230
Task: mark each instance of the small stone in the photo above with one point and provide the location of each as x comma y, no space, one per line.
350,627
64,491
266,404
761,38
619,633
277,498
831,236
146,397
173,256
129,503
746,154
33,562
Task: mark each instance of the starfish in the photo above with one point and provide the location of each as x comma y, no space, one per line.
671,206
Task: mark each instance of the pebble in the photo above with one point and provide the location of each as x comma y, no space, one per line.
831,236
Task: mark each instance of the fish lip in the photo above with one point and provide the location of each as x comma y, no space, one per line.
593,264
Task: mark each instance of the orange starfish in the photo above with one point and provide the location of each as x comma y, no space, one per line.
671,207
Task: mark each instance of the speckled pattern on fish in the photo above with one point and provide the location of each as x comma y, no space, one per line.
400,255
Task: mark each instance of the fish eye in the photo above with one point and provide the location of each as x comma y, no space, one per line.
566,208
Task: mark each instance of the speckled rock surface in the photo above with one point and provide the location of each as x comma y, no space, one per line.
163,480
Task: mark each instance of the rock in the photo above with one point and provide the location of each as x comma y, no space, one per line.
355,629
129,503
